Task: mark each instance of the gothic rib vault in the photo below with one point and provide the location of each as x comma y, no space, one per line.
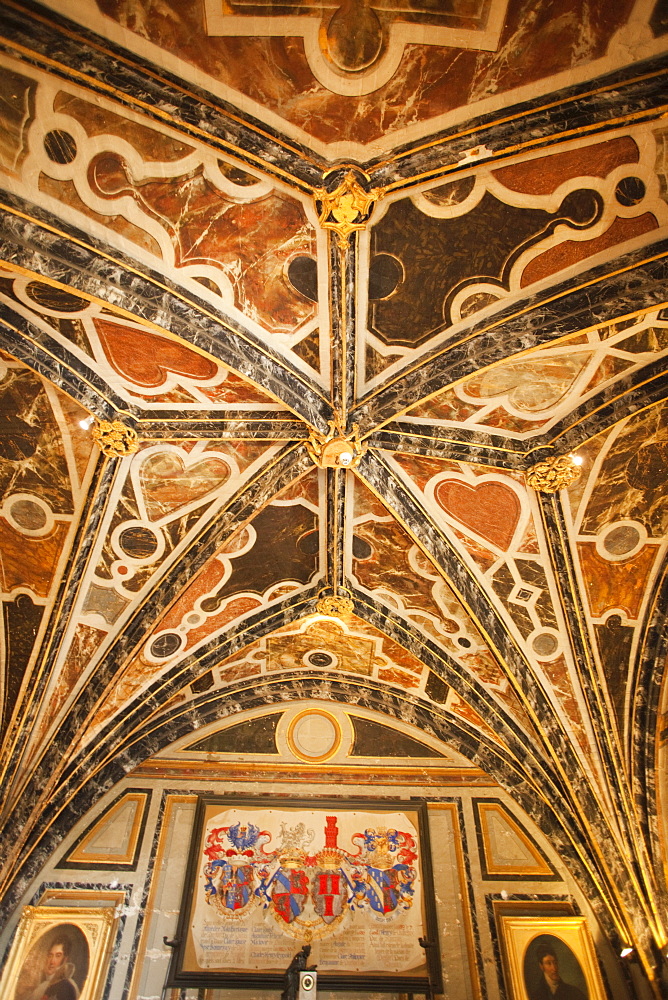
460,270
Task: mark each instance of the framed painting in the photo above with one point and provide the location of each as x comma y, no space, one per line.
351,880
550,956
59,952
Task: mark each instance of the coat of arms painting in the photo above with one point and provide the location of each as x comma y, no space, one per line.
263,881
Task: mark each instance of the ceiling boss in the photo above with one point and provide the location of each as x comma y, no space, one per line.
334,450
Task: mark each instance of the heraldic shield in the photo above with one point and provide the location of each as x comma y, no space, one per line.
288,892
330,890
304,891
229,886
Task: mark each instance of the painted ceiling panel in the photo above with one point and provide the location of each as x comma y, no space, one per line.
182,208
344,301
296,81
464,246
142,364
490,519
619,531
522,398
46,465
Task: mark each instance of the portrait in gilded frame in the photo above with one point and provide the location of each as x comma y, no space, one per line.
59,953
550,958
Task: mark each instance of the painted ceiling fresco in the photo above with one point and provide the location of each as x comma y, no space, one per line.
292,302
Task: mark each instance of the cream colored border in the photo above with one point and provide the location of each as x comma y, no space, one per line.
462,882
98,926
540,868
79,855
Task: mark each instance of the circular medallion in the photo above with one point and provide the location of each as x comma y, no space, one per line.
314,736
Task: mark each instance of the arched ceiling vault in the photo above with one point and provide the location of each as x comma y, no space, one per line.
457,301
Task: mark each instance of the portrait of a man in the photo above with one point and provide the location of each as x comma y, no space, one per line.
56,966
549,970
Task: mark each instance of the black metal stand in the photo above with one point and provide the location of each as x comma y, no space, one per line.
291,976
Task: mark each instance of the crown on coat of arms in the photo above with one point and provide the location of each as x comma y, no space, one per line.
328,857
294,843
379,849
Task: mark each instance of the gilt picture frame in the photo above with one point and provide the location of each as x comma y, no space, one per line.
65,949
541,952
352,880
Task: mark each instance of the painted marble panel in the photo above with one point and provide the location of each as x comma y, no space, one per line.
45,461
348,646
428,80
528,395
393,569
172,489
489,518
141,363
185,208
630,477
619,526
251,241
151,144
275,554
21,618
83,645
464,245
618,586
17,97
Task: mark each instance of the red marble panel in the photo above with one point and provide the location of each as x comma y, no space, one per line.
490,509
399,677
445,406
151,144
66,192
560,681
30,562
251,241
571,252
615,584
235,390
548,37
544,174
148,359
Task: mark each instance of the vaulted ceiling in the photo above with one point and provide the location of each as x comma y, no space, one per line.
437,240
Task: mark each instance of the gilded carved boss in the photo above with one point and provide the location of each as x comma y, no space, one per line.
554,473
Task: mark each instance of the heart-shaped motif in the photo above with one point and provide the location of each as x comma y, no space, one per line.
167,483
490,509
531,386
147,359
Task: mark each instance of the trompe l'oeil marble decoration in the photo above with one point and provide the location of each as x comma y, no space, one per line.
114,438
554,473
